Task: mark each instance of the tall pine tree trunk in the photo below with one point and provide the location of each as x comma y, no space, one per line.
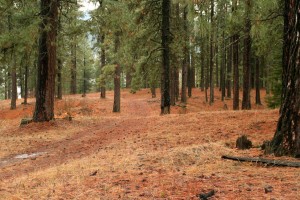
165,71
117,78
74,68
191,73
211,71
202,61
176,84
246,103
59,63
45,89
59,79
84,87
236,82
286,140
13,72
172,86
223,68
26,82
13,104
185,63
257,82
102,64
229,67
128,79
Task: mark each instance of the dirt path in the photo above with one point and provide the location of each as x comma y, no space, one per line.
83,143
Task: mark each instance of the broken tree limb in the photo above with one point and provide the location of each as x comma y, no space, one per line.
279,163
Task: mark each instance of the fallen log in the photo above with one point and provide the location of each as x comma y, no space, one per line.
278,163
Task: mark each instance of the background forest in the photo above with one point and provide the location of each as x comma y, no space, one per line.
227,44
88,80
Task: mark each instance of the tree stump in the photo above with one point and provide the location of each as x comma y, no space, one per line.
243,143
25,121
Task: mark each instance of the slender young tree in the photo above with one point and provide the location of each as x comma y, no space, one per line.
165,71
286,140
45,89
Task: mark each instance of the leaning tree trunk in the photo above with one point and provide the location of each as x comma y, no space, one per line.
286,140
165,71
246,103
45,89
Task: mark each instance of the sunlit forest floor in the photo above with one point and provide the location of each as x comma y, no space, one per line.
138,154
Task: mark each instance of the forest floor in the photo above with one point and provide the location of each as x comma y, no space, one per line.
138,154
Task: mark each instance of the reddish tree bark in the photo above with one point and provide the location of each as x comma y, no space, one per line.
45,89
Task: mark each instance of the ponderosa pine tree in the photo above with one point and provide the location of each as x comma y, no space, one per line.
185,61
286,140
102,64
257,81
246,103
117,77
165,70
235,62
211,63
45,89
59,60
